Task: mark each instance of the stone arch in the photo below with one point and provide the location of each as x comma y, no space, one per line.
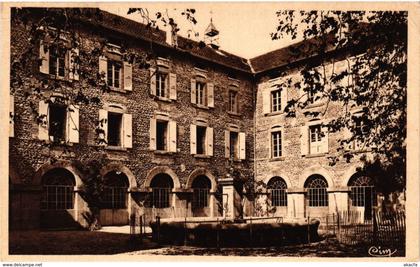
162,169
59,164
348,174
281,174
202,171
313,170
132,183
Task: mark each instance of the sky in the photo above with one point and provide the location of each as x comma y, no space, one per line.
244,27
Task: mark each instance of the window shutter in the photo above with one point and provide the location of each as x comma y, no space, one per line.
103,65
11,116
304,140
73,66
43,128
347,135
325,140
172,86
193,139
266,100
152,76
73,124
152,134
103,124
128,130
283,98
209,137
172,136
128,76
227,144
242,146
210,95
282,143
193,91
45,58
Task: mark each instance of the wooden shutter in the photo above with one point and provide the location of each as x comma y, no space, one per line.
304,140
172,136
242,146
45,58
73,129
73,66
103,124
11,116
227,144
209,141
152,77
103,67
172,86
266,100
210,95
127,130
193,139
283,98
152,134
193,91
346,137
43,128
325,139
128,76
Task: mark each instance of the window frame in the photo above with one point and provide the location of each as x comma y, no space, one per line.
233,102
111,64
275,96
315,147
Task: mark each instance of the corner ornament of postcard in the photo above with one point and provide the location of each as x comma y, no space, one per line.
381,252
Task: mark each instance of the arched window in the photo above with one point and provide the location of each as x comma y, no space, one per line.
115,190
317,195
161,185
361,190
201,188
277,187
58,190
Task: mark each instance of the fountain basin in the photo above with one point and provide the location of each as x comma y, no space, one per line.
247,233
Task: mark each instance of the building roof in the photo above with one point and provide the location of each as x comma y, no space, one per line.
139,30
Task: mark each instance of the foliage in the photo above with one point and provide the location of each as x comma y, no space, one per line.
371,88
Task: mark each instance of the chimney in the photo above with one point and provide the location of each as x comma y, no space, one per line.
171,36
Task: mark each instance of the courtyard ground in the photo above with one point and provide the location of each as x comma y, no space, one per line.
116,240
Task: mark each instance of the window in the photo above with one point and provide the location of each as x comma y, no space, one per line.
114,128
361,191
277,187
276,143
234,145
201,140
161,135
161,84
275,100
201,188
114,73
57,122
317,195
315,139
201,93
58,190
57,61
161,185
361,131
115,191
233,101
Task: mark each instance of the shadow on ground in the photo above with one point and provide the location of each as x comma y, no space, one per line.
77,242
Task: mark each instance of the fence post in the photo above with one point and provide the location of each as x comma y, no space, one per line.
308,230
141,227
217,233
250,231
158,229
185,231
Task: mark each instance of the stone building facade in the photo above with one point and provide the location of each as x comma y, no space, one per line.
174,134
